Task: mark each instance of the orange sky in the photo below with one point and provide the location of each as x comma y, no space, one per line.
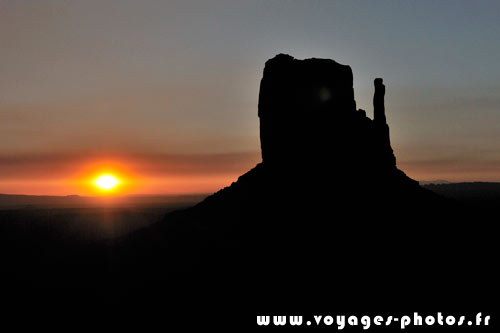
67,174
165,93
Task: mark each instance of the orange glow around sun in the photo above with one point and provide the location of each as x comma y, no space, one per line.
106,177
116,176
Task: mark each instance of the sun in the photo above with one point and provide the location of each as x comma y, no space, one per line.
106,182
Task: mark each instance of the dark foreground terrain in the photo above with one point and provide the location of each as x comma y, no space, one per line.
82,258
59,241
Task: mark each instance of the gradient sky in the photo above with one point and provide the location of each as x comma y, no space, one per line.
165,92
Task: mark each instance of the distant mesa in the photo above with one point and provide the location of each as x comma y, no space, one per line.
437,181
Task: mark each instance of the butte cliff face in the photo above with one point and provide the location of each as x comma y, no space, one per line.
308,119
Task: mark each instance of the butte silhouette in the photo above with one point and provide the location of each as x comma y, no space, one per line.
327,189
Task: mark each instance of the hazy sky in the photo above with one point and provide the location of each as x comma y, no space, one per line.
168,90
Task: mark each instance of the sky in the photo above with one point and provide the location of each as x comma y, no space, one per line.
164,93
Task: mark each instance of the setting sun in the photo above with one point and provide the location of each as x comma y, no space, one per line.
106,182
